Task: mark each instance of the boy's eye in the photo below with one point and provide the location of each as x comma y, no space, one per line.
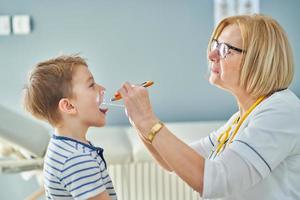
92,85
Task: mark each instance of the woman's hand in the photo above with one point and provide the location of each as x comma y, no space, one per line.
167,149
138,106
141,116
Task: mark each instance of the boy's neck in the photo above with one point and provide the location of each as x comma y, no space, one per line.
74,131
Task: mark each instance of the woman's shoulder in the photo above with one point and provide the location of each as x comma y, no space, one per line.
286,97
281,107
285,101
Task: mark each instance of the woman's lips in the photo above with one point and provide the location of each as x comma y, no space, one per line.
215,70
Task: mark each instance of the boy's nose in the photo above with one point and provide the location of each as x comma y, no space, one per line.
101,87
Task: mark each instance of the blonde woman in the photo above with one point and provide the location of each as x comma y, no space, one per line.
256,154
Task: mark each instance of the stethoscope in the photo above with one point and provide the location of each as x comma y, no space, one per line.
227,136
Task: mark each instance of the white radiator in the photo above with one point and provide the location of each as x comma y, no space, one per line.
147,181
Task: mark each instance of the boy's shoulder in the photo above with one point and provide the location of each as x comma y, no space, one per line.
63,151
67,148
65,156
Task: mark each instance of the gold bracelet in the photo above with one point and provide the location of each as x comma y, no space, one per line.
154,130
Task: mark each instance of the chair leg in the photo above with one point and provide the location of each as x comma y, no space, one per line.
37,194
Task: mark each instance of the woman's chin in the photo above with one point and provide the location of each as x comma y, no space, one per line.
213,79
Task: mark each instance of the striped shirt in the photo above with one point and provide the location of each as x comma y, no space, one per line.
75,170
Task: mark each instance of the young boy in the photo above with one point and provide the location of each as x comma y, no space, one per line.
63,92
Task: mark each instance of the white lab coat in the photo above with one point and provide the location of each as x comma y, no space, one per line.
263,161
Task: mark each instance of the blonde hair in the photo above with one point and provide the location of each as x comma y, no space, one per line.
267,64
48,83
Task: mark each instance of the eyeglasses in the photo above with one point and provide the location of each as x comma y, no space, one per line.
223,48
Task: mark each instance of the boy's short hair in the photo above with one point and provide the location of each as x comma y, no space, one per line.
47,84
267,65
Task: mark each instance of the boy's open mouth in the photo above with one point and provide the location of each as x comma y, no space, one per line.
103,110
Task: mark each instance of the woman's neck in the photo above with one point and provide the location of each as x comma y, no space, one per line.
245,101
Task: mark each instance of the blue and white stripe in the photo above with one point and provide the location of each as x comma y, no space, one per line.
74,170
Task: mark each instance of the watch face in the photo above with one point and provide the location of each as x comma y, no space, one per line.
156,127
154,131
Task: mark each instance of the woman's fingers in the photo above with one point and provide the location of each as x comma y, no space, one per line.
127,86
137,106
136,101
125,89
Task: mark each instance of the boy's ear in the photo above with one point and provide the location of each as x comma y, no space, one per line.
66,106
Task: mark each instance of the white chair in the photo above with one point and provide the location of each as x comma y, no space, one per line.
23,144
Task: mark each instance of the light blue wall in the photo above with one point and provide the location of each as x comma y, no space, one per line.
133,40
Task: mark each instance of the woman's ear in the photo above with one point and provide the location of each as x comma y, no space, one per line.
65,106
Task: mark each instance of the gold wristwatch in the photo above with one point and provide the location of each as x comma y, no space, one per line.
154,130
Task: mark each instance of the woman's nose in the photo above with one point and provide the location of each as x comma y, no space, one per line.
214,55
